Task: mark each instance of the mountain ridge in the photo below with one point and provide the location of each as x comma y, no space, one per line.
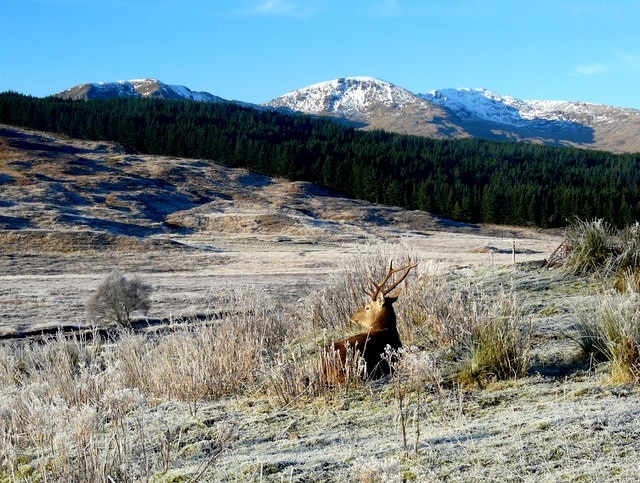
135,88
371,103
464,112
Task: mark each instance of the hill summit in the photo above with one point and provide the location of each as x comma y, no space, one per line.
135,88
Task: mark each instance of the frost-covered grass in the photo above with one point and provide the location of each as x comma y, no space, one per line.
610,331
81,409
597,248
238,398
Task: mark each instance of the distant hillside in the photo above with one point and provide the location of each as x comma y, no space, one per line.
64,194
467,179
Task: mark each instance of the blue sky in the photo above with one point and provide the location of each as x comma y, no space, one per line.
256,50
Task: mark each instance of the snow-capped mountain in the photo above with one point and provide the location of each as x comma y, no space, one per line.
346,97
582,124
484,104
370,102
490,106
135,88
447,113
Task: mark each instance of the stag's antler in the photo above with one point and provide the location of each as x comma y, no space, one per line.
379,287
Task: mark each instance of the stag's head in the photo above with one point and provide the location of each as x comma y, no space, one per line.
378,314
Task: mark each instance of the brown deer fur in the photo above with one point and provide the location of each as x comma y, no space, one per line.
379,320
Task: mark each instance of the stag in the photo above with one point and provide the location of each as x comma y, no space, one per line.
372,346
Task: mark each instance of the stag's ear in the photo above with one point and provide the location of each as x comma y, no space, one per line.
393,297
387,299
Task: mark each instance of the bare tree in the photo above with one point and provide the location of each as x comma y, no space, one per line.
117,297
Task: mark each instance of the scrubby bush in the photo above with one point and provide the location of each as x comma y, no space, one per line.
117,297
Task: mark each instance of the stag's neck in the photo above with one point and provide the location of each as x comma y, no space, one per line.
388,322
389,336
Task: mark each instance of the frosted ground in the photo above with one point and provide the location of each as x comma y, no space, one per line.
558,424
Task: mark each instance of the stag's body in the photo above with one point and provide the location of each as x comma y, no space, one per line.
379,319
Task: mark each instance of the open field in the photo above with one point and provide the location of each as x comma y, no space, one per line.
263,252
49,289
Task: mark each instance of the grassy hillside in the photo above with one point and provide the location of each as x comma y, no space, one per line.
469,180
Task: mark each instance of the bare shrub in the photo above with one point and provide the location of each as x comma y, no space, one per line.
117,297
416,377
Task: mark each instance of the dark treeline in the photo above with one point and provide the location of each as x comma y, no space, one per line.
467,179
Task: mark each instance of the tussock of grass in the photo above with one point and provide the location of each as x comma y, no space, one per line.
497,350
485,331
591,247
611,332
598,248
626,264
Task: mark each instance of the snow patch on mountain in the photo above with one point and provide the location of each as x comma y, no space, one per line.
346,96
487,105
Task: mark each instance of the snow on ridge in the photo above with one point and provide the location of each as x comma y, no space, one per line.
487,105
346,81
483,104
347,96
187,93
148,86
